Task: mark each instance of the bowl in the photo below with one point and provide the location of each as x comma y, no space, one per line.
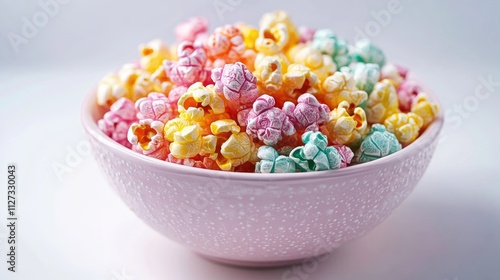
249,219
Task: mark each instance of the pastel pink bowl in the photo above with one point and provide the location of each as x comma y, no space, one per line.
259,219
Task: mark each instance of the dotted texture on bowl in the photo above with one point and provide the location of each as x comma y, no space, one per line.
273,221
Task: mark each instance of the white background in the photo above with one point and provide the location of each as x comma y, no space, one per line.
74,227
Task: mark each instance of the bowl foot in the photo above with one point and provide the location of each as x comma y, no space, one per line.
251,264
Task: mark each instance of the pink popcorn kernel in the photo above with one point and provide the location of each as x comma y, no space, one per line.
407,92
306,34
191,29
190,68
236,83
403,71
115,123
308,114
155,106
346,154
267,122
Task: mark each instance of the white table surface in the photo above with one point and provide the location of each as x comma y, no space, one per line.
75,227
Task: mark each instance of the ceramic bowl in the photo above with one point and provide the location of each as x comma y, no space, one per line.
259,219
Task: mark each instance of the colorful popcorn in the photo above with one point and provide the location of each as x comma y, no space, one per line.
268,99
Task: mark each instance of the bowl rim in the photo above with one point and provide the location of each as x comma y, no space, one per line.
423,141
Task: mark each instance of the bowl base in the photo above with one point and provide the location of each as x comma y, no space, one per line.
251,264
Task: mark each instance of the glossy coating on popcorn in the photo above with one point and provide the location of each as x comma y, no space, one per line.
155,106
315,155
328,43
147,137
377,144
342,87
268,123
272,162
308,114
405,127
426,109
116,122
382,103
346,126
190,68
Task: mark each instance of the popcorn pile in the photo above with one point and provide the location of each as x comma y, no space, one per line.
272,99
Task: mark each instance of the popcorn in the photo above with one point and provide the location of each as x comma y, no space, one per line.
393,72
269,74
379,143
382,103
110,89
365,75
298,80
424,108
137,82
198,161
147,137
404,126
309,114
192,29
328,43
346,126
280,18
346,155
322,65
201,99
227,45
155,106
267,100
186,140
407,93
237,84
153,54
315,155
117,121
130,82
342,87
272,162
190,68
306,34
366,52
268,123
237,148
250,34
